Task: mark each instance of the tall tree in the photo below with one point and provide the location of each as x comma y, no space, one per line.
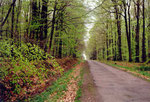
11,6
53,26
137,30
12,21
127,25
34,29
17,35
118,23
144,37
148,10
44,19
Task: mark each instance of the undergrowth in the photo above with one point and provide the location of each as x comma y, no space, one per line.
21,51
55,91
22,66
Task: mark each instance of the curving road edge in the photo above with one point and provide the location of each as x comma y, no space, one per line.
114,85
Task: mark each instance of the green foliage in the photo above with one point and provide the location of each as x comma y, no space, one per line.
28,51
103,43
5,49
71,34
79,91
33,52
57,87
20,64
20,73
144,68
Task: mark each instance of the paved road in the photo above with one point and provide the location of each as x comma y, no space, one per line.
114,85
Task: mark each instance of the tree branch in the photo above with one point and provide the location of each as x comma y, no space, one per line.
13,3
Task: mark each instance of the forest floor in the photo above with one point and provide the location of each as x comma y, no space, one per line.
65,89
115,85
37,88
72,85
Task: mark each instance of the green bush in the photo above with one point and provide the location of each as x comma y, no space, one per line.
27,51
19,73
5,49
144,68
17,64
21,63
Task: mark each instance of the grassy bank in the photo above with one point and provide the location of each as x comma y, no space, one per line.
79,91
60,89
138,69
55,91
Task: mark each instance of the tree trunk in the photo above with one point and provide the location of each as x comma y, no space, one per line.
128,32
119,37
61,28
118,19
107,39
53,28
2,12
12,5
12,22
137,31
143,40
44,19
149,29
129,45
34,19
115,48
17,20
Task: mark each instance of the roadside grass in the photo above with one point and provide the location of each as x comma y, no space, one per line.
79,91
139,70
55,91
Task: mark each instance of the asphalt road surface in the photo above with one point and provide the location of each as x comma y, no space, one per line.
114,85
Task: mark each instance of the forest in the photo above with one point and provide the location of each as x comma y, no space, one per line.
121,31
33,34
44,44
52,25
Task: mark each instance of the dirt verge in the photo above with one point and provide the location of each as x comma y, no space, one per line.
89,92
70,94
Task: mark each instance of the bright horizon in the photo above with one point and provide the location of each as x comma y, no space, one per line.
89,4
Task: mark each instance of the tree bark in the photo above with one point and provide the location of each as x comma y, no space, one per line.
12,22
128,32
137,31
107,42
118,19
2,12
129,20
34,19
149,29
53,27
12,5
17,20
144,37
44,19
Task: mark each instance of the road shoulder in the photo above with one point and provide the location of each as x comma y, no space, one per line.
89,90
